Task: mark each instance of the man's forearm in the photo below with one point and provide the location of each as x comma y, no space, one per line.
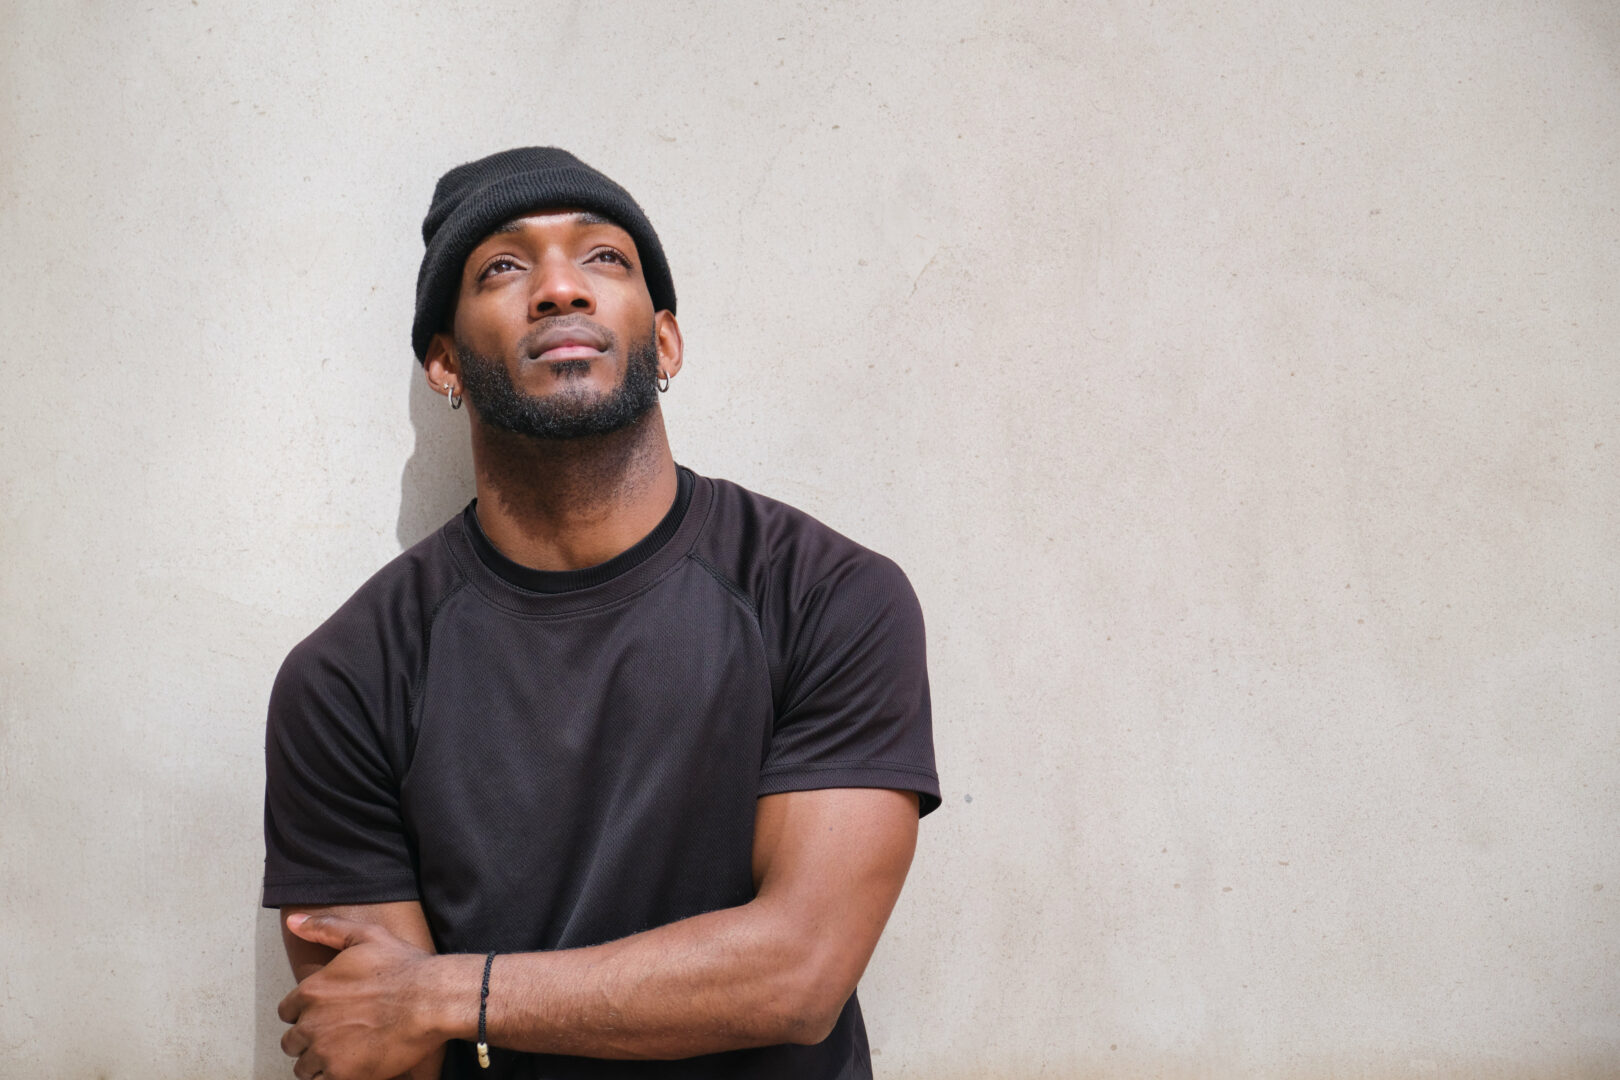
720,981
828,864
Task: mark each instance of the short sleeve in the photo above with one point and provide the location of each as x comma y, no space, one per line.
333,832
855,708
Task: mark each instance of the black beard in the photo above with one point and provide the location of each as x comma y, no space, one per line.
567,415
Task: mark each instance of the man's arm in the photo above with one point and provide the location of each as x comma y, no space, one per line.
828,867
404,920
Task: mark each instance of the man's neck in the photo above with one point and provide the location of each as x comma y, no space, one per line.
571,503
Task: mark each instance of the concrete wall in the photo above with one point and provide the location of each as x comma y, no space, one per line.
1238,384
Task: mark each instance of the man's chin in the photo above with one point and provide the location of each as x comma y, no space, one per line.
566,384
561,416
560,407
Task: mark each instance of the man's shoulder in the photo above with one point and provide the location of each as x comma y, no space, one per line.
386,619
775,550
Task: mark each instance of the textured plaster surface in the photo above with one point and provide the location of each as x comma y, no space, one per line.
1238,384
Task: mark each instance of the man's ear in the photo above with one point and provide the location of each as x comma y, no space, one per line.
668,333
440,365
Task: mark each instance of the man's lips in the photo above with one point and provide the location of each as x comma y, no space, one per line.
568,343
570,351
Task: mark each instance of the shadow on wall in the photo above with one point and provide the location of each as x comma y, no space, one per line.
436,483
438,478
273,981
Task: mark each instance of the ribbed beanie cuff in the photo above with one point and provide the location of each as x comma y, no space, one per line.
471,200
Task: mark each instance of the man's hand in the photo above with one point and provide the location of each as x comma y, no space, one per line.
371,1013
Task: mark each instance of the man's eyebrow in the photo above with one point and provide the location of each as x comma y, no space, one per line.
583,217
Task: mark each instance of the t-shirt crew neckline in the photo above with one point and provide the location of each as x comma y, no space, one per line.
512,584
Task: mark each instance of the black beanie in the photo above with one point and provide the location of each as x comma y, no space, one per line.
471,200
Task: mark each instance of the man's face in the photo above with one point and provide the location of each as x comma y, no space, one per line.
555,336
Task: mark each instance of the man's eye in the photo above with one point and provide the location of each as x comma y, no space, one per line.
612,256
497,266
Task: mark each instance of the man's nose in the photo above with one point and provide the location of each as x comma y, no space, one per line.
561,286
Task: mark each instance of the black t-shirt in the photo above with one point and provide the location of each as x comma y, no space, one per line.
554,760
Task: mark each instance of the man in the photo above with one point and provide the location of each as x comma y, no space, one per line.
617,774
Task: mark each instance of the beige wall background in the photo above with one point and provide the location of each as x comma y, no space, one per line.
1237,383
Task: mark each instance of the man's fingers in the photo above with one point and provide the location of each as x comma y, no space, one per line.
293,1042
333,931
291,1006
308,1067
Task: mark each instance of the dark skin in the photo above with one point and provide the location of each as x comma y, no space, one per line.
562,504
374,1000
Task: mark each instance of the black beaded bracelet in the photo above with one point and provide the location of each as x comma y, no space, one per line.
483,1015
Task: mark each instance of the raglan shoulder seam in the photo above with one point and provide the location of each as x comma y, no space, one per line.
726,583
414,695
